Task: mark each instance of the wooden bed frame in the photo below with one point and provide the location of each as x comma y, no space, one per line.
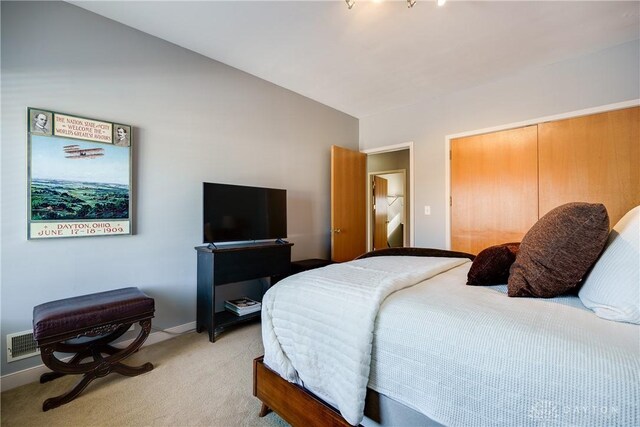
291,402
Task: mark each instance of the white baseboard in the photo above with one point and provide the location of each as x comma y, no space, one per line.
30,375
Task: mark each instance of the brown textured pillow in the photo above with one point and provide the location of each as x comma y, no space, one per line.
491,265
558,250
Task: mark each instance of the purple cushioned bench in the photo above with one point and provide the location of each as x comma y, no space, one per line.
102,316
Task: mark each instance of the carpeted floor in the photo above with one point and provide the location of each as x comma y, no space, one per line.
193,383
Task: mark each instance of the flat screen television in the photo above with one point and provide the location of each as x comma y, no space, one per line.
236,213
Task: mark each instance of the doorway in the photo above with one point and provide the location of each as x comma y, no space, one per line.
394,164
351,197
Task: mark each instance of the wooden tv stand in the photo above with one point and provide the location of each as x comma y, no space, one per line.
229,264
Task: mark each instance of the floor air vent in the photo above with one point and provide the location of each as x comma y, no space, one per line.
21,345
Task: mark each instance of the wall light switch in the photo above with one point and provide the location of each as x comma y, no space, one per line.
427,210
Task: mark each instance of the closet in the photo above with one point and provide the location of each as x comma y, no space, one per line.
503,182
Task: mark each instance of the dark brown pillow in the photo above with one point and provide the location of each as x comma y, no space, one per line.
558,250
491,265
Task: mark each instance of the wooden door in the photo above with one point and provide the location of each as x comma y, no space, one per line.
594,159
380,212
494,189
348,204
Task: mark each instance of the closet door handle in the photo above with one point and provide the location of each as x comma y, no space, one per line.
336,231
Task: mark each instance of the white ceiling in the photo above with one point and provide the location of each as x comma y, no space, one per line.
379,56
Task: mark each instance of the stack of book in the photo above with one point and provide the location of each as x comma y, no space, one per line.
242,306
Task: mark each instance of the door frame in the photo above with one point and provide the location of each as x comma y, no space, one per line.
529,122
408,212
370,221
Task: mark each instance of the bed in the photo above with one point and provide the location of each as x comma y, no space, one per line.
398,338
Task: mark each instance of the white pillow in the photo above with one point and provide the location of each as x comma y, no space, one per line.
612,288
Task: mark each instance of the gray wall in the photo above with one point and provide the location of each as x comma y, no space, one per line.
195,120
605,77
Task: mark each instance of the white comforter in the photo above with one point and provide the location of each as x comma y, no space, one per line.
317,326
470,355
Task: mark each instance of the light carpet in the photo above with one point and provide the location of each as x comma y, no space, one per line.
193,383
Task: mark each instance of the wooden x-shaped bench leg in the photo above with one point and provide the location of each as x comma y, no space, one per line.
99,367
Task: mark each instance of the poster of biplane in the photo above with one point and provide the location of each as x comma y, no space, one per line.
79,173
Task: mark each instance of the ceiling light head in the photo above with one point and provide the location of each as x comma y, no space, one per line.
350,3
441,2
410,3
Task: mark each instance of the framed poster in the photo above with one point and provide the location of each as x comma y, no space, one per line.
79,176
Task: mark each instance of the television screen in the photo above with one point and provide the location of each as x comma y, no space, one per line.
233,213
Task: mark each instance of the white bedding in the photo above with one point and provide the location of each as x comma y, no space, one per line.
317,326
461,355
465,355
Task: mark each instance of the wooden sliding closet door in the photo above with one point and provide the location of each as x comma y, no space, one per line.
593,158
494,188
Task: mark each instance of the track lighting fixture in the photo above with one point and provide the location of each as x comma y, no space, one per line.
410,3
